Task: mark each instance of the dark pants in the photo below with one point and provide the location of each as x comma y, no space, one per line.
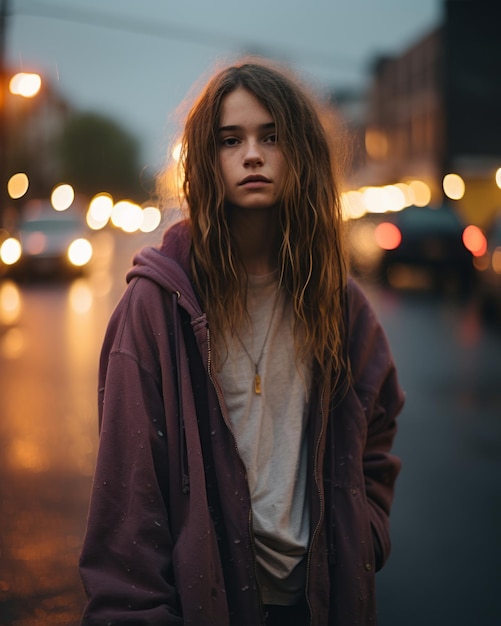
297,615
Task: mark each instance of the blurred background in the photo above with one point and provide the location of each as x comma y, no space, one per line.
91,102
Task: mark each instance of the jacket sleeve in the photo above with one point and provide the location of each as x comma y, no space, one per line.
125,562
376,383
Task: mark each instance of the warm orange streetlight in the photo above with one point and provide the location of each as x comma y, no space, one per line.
25,84
17,185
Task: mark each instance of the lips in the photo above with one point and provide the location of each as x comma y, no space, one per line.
254,178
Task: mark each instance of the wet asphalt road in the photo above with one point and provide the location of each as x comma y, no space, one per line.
447,514
446,521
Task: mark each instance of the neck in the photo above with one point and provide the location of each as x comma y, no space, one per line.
256,236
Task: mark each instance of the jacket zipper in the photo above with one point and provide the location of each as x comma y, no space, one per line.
228,426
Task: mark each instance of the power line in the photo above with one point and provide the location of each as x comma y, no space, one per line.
179,32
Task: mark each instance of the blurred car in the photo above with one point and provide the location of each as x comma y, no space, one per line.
51,243
489,273
421,247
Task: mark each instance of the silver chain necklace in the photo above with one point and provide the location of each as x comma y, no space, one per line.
256,364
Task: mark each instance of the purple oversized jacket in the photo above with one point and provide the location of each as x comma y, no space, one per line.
169,533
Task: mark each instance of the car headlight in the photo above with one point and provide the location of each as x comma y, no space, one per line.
80,252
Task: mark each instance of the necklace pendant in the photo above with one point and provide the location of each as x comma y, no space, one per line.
257,384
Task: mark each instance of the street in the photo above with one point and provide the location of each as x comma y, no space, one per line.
446,519
447,514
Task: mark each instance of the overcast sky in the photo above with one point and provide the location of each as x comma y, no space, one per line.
137,60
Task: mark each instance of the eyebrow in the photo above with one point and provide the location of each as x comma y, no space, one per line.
233,127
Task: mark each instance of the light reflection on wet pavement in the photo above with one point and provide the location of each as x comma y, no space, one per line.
50,337
41,537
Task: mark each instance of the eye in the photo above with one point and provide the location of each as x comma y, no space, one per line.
271,138
229,141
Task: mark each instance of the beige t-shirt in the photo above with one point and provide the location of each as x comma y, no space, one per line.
270,433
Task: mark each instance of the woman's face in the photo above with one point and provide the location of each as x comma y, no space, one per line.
252,165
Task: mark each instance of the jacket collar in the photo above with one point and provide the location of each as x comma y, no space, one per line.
169,266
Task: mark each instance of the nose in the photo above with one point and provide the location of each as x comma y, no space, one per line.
253,155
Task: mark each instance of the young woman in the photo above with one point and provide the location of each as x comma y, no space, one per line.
247,392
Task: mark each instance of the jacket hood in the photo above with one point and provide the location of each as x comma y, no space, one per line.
169,266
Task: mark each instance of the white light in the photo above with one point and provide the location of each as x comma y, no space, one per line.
396,198
99,211
407,193
498,177
62,197
151,219
353,205
80,252
375,199
24,84
10,251
453,186
127,215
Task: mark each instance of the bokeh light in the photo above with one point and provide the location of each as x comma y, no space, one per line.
13,343
35,243
388,236
25,84
407,193
10,302
151,219
498,177
10,251
18,185
376,199
80,297
395,198
62,197
353,205
99,211
474,240
80,252
127,215
453,186
376,143
421,192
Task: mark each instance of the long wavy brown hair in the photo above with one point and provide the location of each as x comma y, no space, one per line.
311,260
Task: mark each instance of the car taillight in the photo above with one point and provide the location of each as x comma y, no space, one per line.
388,236
474,240
35,243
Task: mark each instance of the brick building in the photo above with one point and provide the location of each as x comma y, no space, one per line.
436,109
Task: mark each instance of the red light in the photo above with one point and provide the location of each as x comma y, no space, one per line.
474,240
388,236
